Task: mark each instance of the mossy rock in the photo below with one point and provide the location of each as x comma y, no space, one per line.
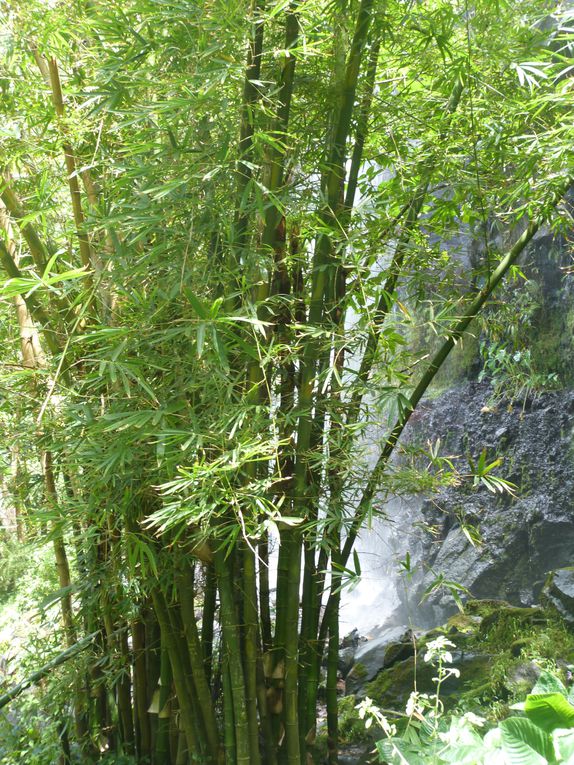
484,607
467,624
512,616
521,678
392,687
519,645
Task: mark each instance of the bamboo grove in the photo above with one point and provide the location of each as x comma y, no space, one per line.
223,230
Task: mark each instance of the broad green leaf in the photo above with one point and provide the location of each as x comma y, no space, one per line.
524,743
548,683
549,711
564,745
400,752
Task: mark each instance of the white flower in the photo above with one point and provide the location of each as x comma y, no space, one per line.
412,704
438,647
417,703
474,719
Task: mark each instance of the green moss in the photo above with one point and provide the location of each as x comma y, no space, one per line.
468,624
351,727
507,624
392,688
484,607
552,345
498,650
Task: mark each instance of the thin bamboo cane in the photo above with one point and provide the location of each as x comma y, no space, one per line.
472,310
208,619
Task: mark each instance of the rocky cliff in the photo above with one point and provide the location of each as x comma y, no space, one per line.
522,537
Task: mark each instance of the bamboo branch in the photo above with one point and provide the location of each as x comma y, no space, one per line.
472,310
41,673
386,297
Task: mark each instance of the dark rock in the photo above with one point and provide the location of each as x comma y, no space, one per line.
517,646
347,650
356,755
386,648
522,678
351,640
392,687
523,536
559,592
346,660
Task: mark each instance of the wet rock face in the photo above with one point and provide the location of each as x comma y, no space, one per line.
523,537
385,648
559,593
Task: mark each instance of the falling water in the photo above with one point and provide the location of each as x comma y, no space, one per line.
381,595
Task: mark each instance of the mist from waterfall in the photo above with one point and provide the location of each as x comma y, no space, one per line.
381,596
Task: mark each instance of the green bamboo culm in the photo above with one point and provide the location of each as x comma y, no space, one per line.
233,658
162,748
185,586
188,714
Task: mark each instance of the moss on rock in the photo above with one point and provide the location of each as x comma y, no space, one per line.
499,649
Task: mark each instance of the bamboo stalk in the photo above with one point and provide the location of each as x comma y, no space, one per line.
64,580
362,125
324,285
162,748
38,250
250,650
142,726
32,304
331,687
124,694
264,595
291,539
270,749
319,280
184,582
245,147
233,657
334,304
188,719
228,719
207,619
70,160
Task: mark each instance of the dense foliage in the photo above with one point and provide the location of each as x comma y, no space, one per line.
221,228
